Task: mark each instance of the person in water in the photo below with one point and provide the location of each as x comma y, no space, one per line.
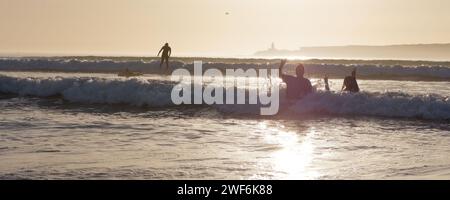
350,83
166,51
327,86
297,87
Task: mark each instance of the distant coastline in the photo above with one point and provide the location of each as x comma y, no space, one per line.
403,51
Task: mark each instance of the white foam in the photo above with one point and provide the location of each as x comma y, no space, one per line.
388,104
319,70
382,71
138,92
157,93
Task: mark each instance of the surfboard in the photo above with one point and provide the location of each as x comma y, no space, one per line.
129,74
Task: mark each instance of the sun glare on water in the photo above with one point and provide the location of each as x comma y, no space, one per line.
293,159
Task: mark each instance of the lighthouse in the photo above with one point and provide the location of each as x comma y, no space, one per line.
272,47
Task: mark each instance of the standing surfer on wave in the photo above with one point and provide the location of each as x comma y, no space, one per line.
166,51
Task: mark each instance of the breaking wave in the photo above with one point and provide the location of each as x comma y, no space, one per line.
391,72
157,93
387,104
136,92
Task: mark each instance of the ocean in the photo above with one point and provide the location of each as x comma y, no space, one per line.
74,118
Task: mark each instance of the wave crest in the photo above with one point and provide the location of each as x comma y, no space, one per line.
137,92
388,104
157,93
387,72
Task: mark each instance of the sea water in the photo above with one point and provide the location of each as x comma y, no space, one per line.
82,123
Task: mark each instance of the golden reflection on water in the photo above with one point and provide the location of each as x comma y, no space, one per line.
294,158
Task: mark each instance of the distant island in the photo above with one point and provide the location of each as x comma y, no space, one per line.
404,51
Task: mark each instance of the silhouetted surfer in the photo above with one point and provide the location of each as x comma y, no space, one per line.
350,83
297,87
327,87
166,51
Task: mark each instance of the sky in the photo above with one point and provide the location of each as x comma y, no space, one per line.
202,27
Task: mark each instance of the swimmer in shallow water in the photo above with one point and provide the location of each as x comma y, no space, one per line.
350,83
297,87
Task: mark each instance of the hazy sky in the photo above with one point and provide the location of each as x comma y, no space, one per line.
201,27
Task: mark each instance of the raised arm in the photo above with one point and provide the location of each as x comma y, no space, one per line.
170,51
160,51
343,85
283,62
327,86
